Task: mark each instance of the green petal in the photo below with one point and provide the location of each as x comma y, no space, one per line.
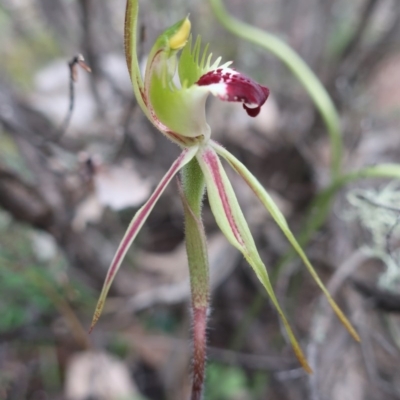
232,223
277,215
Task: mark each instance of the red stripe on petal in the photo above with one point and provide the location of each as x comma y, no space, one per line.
212,161
230,85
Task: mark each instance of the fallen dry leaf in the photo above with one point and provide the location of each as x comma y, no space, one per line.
89,210
120,187
385,86
117,187
98,376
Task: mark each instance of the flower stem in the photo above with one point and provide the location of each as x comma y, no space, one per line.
298,67
196,247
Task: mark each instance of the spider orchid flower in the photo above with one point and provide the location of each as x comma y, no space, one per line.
173,94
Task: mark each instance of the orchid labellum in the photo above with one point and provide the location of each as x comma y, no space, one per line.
173,94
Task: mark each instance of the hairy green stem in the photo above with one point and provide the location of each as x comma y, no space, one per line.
299,68
196,247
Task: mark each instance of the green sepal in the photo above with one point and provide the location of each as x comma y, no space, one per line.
280,220
233,225
162,59
130,38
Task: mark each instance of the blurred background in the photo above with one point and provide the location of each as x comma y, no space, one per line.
71,182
